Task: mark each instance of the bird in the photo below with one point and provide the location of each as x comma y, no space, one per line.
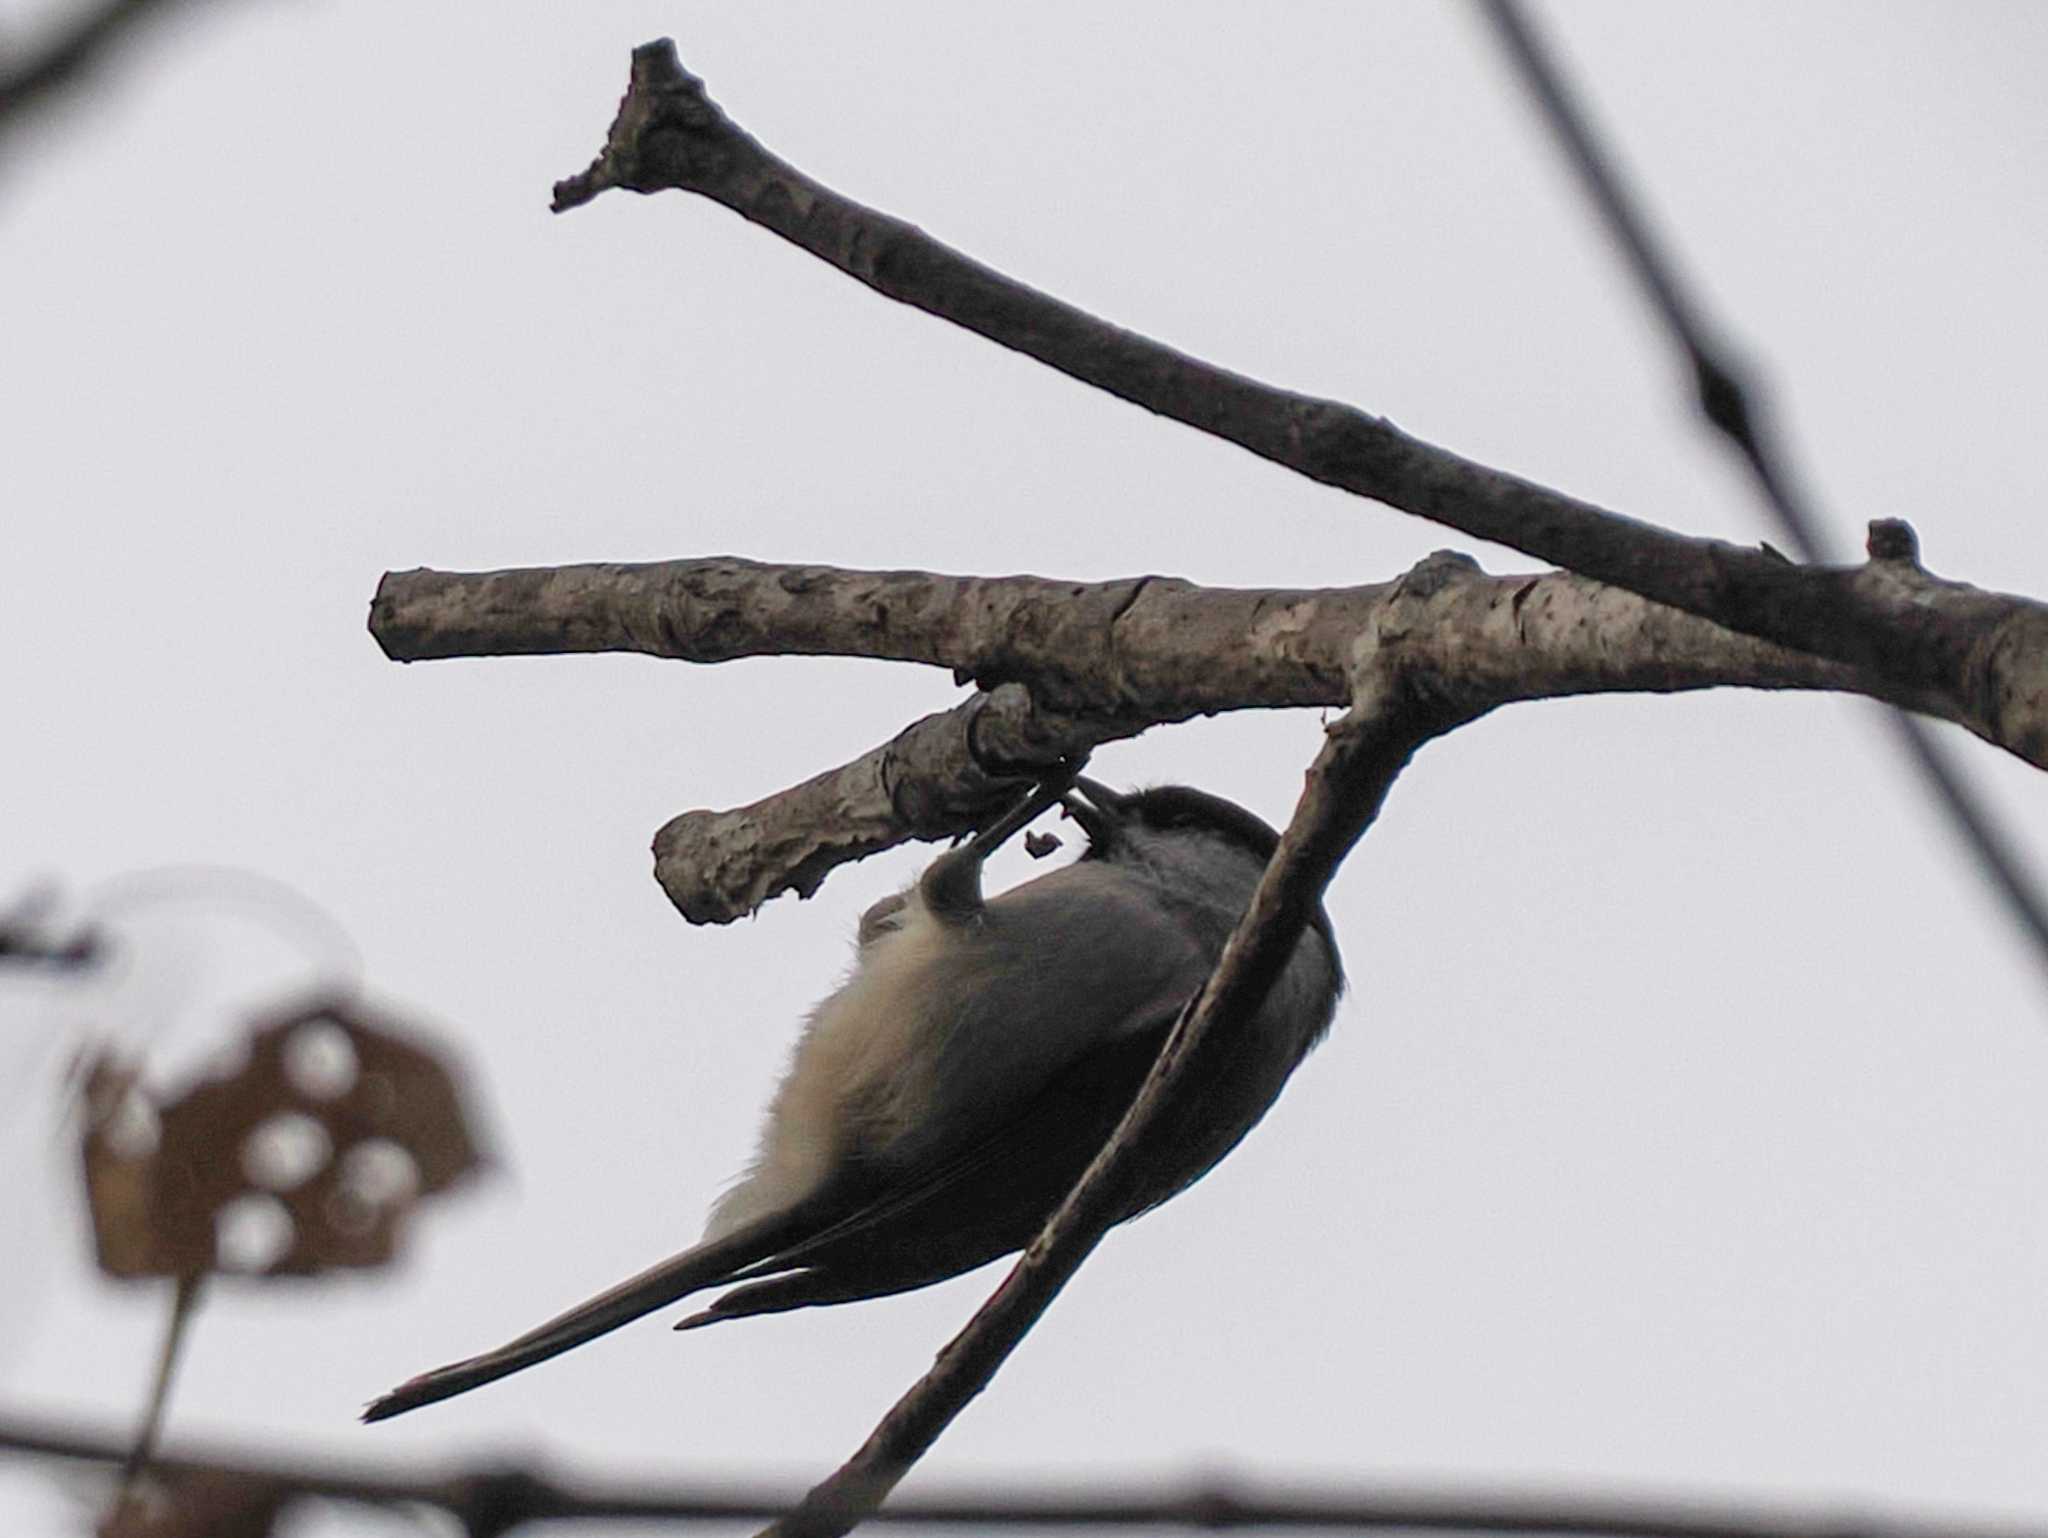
945,1098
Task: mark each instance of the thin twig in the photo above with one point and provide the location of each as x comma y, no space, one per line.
1726,402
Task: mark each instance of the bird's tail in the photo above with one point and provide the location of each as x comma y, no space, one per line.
678,1276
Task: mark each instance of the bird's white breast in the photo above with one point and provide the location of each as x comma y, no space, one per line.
866,1051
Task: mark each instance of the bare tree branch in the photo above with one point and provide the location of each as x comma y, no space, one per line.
1080,644
1165,635
669,134
1108,660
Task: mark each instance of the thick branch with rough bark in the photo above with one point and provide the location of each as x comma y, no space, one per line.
669,134
1108,660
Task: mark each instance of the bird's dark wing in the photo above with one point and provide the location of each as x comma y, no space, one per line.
969,1206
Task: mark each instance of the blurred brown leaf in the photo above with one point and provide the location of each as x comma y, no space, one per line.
307,1158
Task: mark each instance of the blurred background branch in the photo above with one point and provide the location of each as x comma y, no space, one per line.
78,43
501,1499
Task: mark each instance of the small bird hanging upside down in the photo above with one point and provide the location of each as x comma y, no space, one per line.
948,1095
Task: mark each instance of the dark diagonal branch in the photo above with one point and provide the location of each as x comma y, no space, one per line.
669,134
1725,401
1395,711
1109,660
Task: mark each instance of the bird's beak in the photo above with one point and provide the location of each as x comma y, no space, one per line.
1101,815
1111,801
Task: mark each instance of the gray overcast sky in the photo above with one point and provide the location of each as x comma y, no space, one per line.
1684,1124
